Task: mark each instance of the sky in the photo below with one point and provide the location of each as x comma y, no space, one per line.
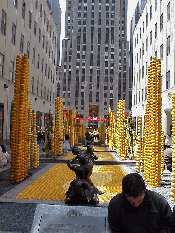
131,7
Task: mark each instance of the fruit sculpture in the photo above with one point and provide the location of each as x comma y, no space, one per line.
53,139
162,153
153,139
111,129
139,148
102,130
19,136
30,135
172,193
71,126
36,146
58,140
82,131
121,133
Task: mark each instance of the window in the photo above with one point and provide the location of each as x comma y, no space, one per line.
50,30
46,46
146,19
143,49
168,79
3,23
13,33
39,35
43,41
41,10
140,33
28,49
47,25
150,37
35,26
150,12
45,69
36,4
15,3
22,43
155,5
49,73
161,22
146,43
155,30
161,51
44,17
168,11
168,45
143,27
1,65
30,19
33,60
142,71
38,61
32,84
23,9
11,78
42,64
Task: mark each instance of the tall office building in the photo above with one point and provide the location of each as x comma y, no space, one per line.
95,67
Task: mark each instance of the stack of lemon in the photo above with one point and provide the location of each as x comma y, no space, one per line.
29,134
139,148
19,135
122,142
172,193
36,146
153,138
102,130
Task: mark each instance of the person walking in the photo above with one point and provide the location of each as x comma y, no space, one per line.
66,145
5,156
138,210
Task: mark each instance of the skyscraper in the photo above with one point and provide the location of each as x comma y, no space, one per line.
94,69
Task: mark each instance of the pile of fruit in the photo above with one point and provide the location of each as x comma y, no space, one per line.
53,184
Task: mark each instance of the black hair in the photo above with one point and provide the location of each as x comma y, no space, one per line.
3,149
67,137
133,185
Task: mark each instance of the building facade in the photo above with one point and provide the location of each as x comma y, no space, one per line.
94,67
154,36
27,27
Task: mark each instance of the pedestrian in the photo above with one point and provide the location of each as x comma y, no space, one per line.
5,156
66,144
138,210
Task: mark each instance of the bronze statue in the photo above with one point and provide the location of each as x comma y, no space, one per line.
81,189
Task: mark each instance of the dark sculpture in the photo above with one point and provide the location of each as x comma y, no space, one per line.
81,189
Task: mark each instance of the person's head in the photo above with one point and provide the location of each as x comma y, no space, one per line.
3,149
133,187
67,137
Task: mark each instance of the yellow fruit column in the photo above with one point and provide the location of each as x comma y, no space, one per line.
36,155
15,116
29,133
139,138
172,193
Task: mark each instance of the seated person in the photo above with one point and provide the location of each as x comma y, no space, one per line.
138,210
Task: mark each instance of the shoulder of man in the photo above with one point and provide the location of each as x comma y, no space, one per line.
157,197
117,199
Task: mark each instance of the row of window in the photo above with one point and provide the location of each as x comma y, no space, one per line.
11,69
13,40
49,96
161,50
161,22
